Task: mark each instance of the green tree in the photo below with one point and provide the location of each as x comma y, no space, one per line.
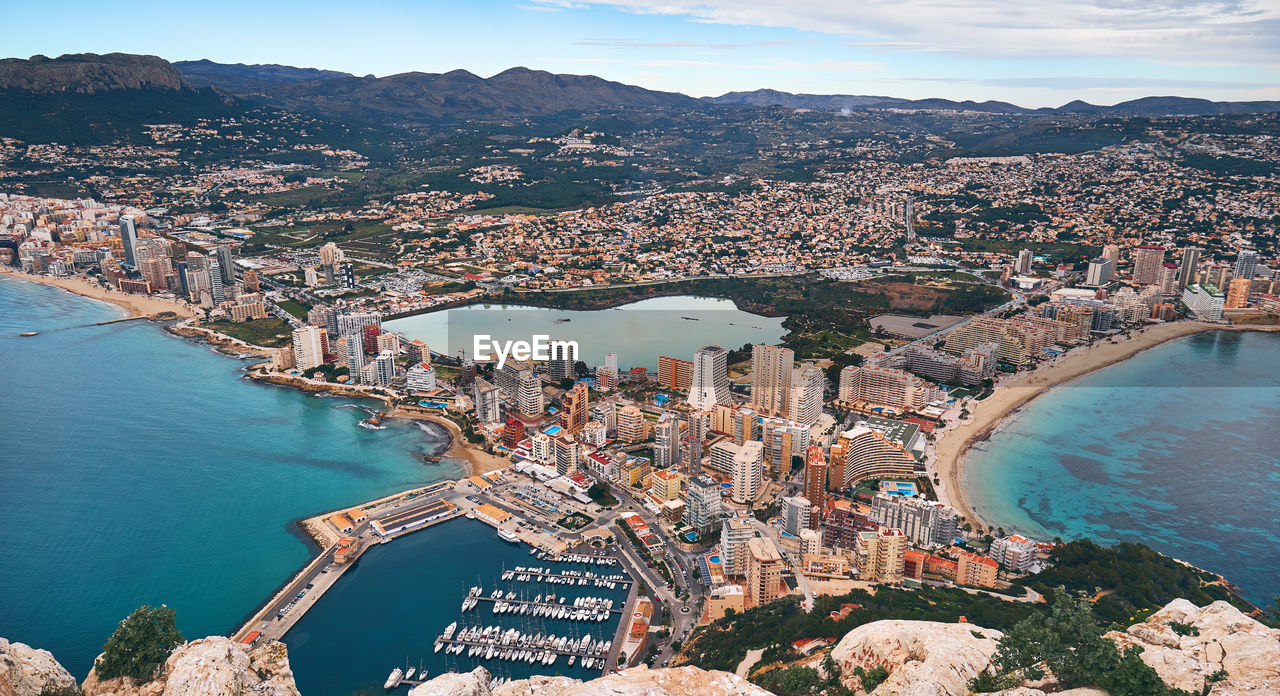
141,643
1069,641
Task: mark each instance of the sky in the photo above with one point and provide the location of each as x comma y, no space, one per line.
1029,52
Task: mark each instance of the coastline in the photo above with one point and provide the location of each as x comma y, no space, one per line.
478,462
134,305
475,461
1010,396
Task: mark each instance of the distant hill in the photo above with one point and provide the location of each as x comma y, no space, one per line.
239,78
416,98
1147,106
89,73
94,98
91,99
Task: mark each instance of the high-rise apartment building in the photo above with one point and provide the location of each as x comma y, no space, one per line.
795,514
764,571
1100,272
879,450
308,347
882,555
806,395
225,264
782,440
745,464
529,398
883,386
1238,293
488,406
355,322
421,377
1246,264
129,240
924,522
574,416
631,426
568,454
981,329
384,367
1187,266
666,441
736,531
675,374
1023,266
815,477
353,353
702,504
1148,264
771,370
710,378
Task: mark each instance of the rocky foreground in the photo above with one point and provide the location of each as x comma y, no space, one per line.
1182,642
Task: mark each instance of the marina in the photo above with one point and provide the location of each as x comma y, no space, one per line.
521,574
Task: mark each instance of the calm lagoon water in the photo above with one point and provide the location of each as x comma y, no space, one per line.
638,332
1178,448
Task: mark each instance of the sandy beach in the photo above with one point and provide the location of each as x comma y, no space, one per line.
135,305
478,461
1011,395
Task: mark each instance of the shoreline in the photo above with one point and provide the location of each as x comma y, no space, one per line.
133,305
990,415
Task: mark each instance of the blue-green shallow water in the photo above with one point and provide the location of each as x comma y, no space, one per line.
139,468
400,596
1178,448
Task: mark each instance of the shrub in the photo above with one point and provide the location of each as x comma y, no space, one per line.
141,643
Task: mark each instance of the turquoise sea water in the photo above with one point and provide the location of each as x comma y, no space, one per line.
1178,448
140,468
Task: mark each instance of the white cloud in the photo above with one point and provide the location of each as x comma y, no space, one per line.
1220,31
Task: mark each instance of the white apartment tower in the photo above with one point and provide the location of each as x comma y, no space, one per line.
710,378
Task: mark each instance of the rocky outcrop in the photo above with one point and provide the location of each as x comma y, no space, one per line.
1205,640
25,671
213,666
923,658
638,681
89,73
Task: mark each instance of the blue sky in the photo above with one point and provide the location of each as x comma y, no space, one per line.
1030,52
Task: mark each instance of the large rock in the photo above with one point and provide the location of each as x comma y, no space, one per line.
638,681
25,671
923,658
1227,640
213,666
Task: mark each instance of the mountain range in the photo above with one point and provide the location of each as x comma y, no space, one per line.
153,88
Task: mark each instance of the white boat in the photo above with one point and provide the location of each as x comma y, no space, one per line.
439,644
506,535
409,674
394,680
448,630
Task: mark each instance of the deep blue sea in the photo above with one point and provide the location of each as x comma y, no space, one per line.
1178,448
139,468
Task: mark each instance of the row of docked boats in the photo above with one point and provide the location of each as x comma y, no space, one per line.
582,609
574,558
512,645
568,577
